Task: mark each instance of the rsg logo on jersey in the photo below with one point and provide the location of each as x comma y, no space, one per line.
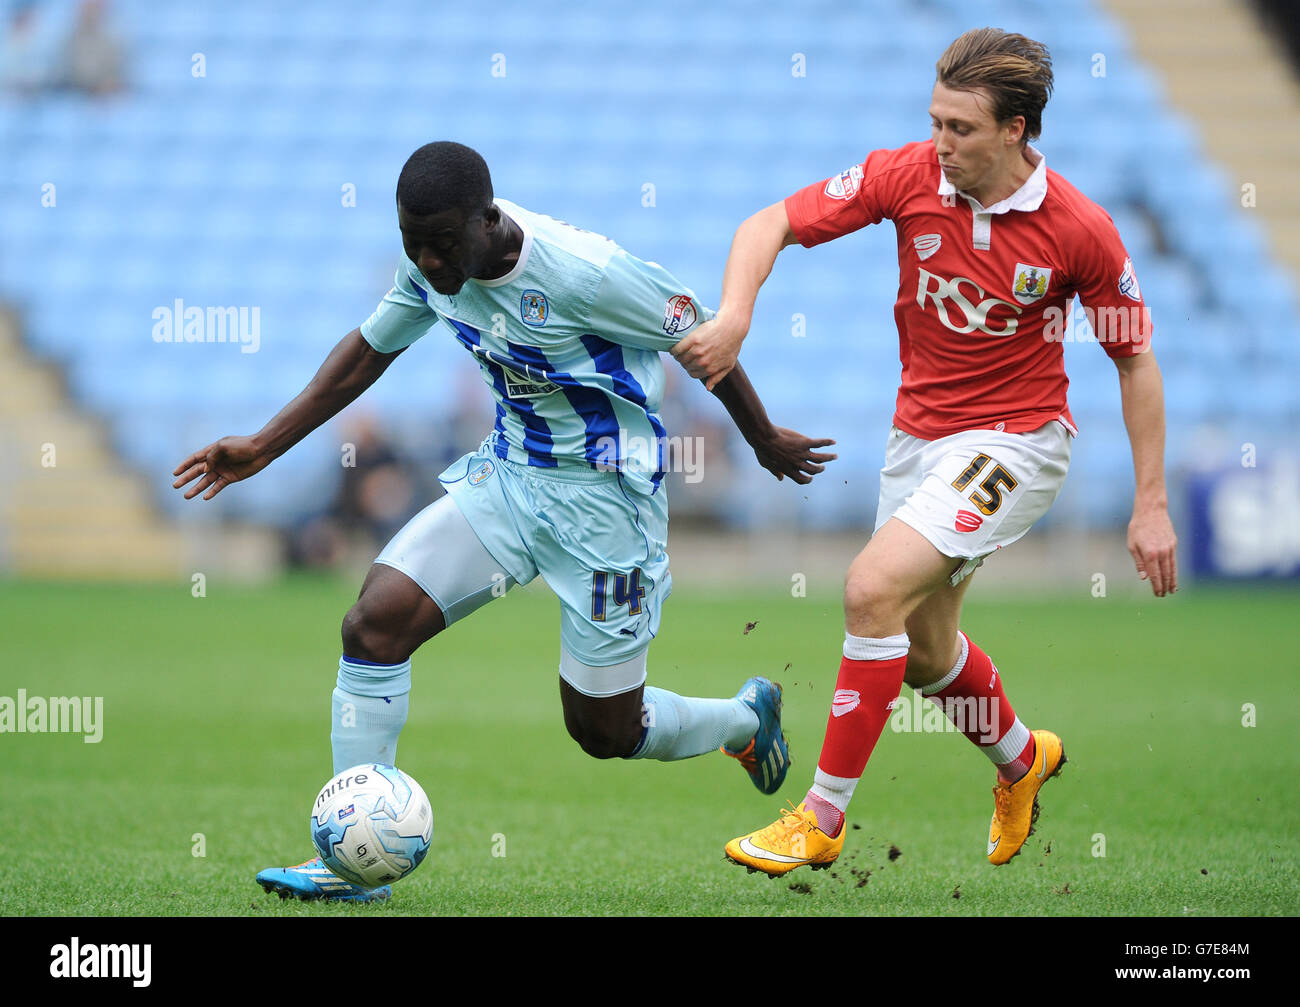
973,315
679,314
845,185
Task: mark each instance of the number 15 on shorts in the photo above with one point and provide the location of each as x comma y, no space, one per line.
627,591
988,495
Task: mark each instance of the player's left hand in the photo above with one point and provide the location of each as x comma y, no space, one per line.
789,453
1152,542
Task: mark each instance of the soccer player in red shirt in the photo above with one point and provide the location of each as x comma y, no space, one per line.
992,247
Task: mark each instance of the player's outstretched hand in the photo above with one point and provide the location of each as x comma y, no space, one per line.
218,465
790,453
709,353
1152,542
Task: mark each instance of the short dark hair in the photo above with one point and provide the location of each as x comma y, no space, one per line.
1017,71
443,176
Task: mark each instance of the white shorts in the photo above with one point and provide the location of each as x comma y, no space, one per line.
973,492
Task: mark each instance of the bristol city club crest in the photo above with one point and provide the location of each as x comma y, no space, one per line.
533,308
679,314
1030,283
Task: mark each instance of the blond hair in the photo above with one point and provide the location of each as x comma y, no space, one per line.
1015,70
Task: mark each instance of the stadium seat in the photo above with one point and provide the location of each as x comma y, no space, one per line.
239,201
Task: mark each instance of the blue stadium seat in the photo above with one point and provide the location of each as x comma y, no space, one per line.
226,190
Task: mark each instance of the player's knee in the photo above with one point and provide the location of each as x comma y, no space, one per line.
868,597
368,639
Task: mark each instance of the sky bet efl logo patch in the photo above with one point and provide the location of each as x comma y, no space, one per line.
1128,282
679,314
845,185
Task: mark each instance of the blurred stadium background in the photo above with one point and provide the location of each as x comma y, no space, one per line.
244,154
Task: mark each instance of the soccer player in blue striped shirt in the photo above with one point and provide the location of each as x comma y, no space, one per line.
566,328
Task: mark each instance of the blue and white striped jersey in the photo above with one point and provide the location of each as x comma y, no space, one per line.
568,341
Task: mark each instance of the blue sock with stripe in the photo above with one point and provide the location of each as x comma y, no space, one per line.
679,727
369,709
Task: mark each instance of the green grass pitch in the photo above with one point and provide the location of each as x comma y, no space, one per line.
216,740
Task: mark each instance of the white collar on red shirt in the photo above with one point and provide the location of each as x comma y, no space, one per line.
1028,197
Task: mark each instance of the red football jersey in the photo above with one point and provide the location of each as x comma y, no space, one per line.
984,293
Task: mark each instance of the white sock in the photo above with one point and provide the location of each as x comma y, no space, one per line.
836,791
368,712
679,727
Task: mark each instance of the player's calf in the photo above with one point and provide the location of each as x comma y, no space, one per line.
971,695
605,727
390,619
612,713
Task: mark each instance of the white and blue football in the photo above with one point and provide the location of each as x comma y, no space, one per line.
372,825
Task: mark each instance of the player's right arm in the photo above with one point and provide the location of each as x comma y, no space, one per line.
710,351
860,195
352,366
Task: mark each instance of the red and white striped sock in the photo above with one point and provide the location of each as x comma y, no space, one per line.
871,675
972,698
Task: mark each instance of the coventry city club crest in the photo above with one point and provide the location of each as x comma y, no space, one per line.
1030,283
482,473
533,308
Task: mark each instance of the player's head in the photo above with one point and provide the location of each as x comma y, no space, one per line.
445,213
989,92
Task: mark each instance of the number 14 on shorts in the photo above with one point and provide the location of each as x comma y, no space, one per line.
627,591
988,495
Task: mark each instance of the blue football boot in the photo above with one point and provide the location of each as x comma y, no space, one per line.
767,756
312,881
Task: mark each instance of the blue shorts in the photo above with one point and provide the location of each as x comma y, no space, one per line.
599,545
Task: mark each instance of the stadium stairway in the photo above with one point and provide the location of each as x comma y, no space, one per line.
1223,70
70,508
